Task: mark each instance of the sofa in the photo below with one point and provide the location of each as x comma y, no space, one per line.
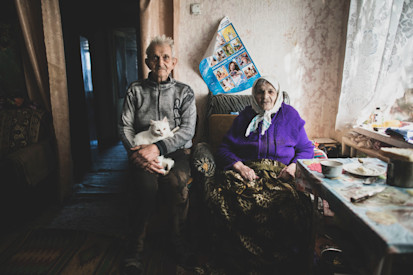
28,159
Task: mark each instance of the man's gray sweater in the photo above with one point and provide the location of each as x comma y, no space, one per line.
148,100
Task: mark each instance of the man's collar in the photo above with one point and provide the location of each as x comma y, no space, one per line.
169,79
152,82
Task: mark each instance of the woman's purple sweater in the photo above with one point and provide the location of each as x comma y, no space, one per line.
285,140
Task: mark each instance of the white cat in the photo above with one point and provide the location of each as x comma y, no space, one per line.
158,130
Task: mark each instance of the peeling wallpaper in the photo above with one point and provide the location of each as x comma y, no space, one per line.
301,42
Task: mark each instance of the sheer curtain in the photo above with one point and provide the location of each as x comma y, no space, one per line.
378,50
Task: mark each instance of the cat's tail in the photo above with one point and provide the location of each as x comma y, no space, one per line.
175,129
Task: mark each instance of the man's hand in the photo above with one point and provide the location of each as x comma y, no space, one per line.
288,172
146,157
246,172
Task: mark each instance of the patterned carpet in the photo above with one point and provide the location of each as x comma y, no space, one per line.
59,251
86,237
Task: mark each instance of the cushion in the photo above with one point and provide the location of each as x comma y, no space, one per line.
20,128
219,125
227,104
230,103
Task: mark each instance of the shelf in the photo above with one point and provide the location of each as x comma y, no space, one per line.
383,137
350,148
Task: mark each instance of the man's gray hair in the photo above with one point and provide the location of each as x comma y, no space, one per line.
160,40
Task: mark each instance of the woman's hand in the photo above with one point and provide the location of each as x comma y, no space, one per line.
246,172
288,172
146,157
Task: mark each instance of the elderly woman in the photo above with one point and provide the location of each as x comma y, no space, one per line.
269,129
264,223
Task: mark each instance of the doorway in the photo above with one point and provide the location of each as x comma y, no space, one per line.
125,51
98,73
124,71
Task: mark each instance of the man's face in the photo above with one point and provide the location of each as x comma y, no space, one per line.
161,62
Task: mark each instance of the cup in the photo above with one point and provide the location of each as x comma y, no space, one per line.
331,168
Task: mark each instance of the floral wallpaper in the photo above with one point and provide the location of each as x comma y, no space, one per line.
300,42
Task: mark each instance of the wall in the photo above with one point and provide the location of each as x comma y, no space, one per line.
300,42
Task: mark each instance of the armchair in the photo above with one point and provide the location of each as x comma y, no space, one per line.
221,112
219,120
27,156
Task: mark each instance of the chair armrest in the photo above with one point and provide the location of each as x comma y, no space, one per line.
202,160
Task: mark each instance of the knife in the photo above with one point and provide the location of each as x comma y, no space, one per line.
364,196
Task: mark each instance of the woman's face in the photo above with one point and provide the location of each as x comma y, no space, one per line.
265,95
231,66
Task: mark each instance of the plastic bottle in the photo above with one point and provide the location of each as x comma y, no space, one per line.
377,117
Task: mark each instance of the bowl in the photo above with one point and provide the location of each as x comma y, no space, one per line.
331,168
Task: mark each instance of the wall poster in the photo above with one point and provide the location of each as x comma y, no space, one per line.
227,67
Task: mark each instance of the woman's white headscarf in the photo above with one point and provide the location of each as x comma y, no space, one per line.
262,115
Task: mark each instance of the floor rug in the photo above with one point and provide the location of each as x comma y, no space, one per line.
57,251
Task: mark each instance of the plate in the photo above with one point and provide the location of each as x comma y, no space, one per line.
365,169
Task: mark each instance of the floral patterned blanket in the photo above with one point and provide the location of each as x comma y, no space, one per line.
262,226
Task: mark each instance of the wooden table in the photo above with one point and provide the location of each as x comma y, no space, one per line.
382,224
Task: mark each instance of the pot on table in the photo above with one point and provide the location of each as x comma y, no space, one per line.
400,173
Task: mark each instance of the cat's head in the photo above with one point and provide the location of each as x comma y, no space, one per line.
160,128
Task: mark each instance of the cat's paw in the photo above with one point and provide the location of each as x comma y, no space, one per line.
168,164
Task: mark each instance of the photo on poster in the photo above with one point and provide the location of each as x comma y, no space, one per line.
227,84
250,71
212,61
220,54
221,73
243,59
236,73
220,41
228,33
236,44
228,49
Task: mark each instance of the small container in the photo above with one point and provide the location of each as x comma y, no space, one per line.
331,168
378,119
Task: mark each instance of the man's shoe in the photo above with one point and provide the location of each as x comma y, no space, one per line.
132,263
184,254
132,266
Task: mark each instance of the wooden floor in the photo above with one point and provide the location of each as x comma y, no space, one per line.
108,173
97,204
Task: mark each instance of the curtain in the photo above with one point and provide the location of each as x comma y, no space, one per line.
45,72
34,55
377,50
158,17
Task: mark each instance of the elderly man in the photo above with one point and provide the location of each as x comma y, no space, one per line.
154,98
